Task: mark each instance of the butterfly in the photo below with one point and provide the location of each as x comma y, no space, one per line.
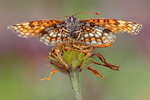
89,31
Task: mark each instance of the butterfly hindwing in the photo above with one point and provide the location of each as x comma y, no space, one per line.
51,36
94,34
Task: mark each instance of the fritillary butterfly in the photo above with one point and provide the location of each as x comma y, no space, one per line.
90,31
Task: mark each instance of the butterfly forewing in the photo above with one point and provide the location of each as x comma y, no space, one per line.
48,31
116,26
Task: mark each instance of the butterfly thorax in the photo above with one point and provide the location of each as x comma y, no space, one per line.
72,25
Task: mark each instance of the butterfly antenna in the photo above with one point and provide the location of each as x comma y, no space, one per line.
96,13
59,17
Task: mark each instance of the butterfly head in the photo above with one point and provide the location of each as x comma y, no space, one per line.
72,25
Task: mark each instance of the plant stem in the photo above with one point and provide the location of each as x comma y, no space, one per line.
74,78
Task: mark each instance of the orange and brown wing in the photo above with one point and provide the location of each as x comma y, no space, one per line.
32,28
116,25
95,35
48,31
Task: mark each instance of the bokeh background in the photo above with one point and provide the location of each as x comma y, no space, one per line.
23,61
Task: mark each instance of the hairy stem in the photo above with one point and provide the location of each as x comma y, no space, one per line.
74,78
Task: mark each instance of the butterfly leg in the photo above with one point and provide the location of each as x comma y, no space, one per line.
81,50
79,35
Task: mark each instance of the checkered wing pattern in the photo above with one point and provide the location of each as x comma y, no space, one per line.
116,25
48,31
95,35
101,31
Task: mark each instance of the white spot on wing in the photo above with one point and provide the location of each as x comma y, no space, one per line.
42,38
99,33
20,32
93,42
58,25
27,33
46,43
96,35
24,36
47,29
134,27
27,23
58,41
101,28
82,38
87,42
59,34
53,42
86,35
54,35
51,33
99,43
109,37
87,23
91,34
105,41
106,34
19,35
111,33
120,21
19,26
46,40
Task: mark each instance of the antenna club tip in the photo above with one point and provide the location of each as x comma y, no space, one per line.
97,13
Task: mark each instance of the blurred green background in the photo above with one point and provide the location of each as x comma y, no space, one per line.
22,61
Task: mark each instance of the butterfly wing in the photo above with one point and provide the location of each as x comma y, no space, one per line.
116,25
94,34
101,31
48,31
